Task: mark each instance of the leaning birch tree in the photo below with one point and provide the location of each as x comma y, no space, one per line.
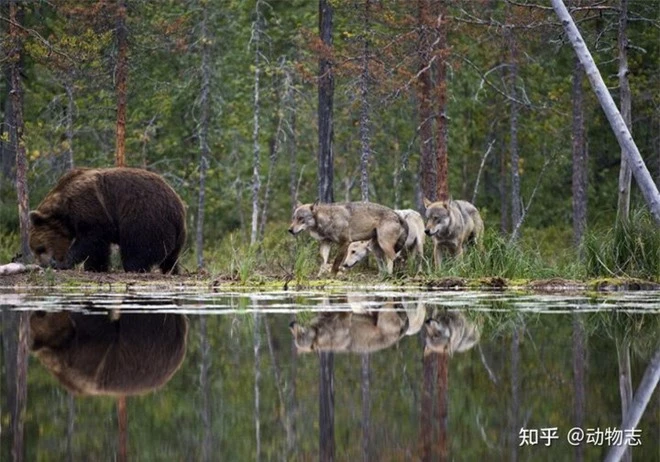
625,175
638,167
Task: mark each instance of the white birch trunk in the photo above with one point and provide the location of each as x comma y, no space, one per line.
203,135
640,172
256,163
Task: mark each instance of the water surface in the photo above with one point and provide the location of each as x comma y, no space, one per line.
375,374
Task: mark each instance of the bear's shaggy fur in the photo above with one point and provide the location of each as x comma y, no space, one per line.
92,354
90,209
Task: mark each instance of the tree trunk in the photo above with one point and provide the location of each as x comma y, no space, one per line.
516,206
365,122
15,351
503,190
441,122
443,407
14,58
625,383
326,407
580,167
70,425
256,317
121,81
122,429
515,395
642,397
428,171
256,157
579,377
276,142
634,158
625,174
426,414
67,161
325,105
205,388
293,161
366,407
204,150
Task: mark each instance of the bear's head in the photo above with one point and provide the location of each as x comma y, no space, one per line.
49,238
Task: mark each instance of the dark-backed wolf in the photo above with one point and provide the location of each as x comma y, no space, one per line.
449,332
414,244
452,224
343,223
365,329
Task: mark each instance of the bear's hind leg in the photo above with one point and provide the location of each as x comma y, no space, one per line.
170,264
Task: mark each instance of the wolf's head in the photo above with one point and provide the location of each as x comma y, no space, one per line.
357,250
437,217
303,218
449,334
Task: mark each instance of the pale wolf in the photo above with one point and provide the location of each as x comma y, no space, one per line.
452,224
343,223
449,332
361,330
414,245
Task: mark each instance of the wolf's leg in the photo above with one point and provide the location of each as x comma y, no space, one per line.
437,258
324,249
388,255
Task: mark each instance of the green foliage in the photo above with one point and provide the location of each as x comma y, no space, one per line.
9,246
631,249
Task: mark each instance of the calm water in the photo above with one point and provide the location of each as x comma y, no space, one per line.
359,374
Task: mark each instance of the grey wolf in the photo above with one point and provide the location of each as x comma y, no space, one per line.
449,332
365,329
414,244
343,223
451,224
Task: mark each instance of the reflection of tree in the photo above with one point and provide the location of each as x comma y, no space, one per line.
365,386
326,406
445,333
579,369
15,347
204,382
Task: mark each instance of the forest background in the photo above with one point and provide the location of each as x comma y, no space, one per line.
230,100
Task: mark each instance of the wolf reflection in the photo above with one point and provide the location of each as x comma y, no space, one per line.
369,327
104,354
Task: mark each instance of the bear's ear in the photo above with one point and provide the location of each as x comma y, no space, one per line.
427,203
37,218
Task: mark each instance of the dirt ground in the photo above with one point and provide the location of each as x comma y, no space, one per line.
119,281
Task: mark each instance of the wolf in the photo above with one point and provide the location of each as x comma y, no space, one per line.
452,224
414,244
345,222
361,330
449,332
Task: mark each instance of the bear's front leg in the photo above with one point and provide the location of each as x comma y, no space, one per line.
93,251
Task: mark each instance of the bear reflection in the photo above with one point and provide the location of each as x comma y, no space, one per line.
365,329
99,354
449,332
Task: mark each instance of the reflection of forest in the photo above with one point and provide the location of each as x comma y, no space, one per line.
244,372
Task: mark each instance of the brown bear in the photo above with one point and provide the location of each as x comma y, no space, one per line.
125,354
90,209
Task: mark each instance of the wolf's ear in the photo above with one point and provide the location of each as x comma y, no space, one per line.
427,203
314,205
298,204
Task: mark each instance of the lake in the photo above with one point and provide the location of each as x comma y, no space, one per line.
361,373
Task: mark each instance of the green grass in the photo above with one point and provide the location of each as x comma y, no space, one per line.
628,250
